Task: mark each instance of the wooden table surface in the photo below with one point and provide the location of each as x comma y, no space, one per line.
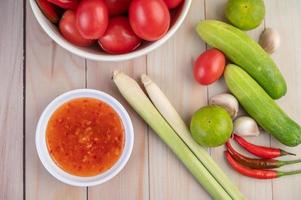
34,70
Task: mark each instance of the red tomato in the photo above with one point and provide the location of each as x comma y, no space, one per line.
92,17
48,10
67,4
119,37
209,66
68,30
117,7
173,3
150,20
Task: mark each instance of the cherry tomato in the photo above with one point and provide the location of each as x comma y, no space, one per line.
150,20
117,7
92,17
209,66
67,4
173,3
48,10
68,30
119,37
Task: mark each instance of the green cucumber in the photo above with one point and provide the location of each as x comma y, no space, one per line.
245,52
261,106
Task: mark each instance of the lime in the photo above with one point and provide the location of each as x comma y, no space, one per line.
245,14
211,126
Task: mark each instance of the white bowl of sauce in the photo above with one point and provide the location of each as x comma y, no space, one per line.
84,137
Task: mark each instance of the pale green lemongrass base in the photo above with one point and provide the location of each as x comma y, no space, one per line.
132,92
176,122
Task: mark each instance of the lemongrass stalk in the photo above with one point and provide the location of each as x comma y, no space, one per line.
134,95
169,113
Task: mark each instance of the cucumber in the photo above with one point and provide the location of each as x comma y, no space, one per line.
245,52
261,106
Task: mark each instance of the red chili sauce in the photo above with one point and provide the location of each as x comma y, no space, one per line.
85,137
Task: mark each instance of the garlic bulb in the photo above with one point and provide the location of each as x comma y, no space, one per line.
227,101
269,40
246,126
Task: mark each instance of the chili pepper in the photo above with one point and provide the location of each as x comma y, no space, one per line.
257,173
257,163
260,151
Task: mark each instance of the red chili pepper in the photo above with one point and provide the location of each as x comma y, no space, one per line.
260,151
257,163
257,173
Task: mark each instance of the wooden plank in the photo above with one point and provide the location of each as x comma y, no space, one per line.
253,189
11,100
132,182
284,17
171,68
50,71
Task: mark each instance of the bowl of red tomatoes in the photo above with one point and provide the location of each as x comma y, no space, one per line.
110,30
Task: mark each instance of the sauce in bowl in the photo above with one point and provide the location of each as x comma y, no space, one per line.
85,137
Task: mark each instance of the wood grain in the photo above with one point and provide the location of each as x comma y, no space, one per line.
11,100
50,71
284,17
153,171
171,68
132,182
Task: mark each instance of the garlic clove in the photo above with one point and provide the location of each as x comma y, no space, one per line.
269,40
227,101
246,126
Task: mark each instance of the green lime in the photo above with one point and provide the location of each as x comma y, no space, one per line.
245,14
211,126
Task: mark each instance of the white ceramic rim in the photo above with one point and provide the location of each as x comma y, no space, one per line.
82,53
56,171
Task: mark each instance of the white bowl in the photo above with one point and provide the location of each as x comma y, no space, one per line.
56,171
96,53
